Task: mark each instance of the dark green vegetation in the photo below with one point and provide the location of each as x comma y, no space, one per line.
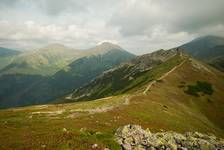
80,125
13,88
31,89
209,49
128,76
199,87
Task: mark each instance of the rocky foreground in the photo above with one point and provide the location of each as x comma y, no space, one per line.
133,137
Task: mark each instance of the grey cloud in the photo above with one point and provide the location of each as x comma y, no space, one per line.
138,25
8,3
55,7
173,16
50,7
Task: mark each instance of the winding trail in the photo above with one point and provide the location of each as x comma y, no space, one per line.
162,77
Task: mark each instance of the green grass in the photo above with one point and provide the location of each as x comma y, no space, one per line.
143,116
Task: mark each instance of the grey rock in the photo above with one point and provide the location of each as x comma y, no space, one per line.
133,137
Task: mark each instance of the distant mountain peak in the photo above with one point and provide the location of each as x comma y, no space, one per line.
104,47
109,45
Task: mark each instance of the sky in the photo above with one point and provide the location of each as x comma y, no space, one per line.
140,26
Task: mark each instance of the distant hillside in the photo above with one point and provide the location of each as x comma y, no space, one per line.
7,56
126,76
48,60
208,48
8,52
102,48
76,74
85,69
44,61
216,58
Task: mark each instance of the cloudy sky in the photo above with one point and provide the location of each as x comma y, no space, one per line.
140,26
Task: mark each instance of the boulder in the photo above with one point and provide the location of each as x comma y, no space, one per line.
133,137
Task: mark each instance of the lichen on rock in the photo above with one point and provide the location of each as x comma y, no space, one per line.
133,137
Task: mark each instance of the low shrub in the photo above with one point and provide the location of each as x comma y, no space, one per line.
200,87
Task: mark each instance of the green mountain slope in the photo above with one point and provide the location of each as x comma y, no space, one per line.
216,58
87,68
44,61
208,48
160,105
13,87
76,74
7,56
127,76
48,60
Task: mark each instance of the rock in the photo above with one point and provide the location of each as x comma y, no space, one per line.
133,137
130,78
139,147
83,130
94,146
205,145
64,130
172,146
43,146
98,133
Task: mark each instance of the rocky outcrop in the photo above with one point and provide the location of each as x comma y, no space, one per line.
133,137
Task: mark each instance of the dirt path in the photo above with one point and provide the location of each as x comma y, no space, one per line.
162,77
77,112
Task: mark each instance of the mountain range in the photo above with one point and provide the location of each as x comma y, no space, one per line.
29,77
56,73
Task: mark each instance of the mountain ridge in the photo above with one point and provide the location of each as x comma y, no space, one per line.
119,79
207,48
